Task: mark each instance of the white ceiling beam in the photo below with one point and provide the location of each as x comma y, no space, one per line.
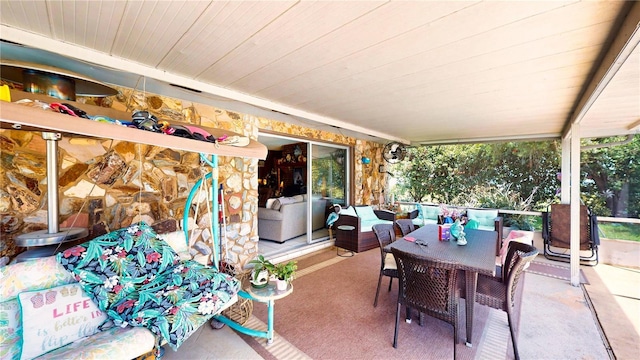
622,46
99,58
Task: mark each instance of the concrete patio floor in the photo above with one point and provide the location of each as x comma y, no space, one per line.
599,320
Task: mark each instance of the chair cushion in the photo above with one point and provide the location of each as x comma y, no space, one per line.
525,237
430,211
485,218
368,225
390,262
366,213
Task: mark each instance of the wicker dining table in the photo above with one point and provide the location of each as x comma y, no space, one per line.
478,256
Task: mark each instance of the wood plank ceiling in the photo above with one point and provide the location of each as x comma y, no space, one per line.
418,72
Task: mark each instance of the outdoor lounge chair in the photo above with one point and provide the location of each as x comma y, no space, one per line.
556,230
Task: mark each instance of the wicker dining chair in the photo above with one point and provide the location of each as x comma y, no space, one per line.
406,226
428,286
504,293
385,234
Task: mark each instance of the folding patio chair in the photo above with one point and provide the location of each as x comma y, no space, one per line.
556,230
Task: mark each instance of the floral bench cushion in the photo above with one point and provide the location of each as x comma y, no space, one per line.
137,279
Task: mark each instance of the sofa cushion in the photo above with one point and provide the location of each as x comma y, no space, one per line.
431,211
176,302
138,280
484,217
525,237
114,343
366,213
269,203
277,203
10,329
54,317
111,265
270,214
367,225
34,274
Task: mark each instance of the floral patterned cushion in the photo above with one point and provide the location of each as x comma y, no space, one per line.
138,280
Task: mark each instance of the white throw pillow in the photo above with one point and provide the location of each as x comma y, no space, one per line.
54,317
349,211
269,203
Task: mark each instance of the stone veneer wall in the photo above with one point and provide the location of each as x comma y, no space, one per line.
107,185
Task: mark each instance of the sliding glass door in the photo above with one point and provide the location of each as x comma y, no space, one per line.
328,184
293,167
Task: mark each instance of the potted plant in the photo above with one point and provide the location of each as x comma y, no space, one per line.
261,270
284,273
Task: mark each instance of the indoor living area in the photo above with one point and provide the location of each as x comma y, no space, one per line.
294,172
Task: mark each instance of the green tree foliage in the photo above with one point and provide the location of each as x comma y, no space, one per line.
612,177
520,176
439,174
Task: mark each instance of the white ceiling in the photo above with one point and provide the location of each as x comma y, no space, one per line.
417,72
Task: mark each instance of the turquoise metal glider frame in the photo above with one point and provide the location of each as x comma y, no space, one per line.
213,162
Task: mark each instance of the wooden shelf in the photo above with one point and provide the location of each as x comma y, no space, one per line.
15,116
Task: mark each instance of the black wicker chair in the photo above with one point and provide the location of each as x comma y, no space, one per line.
385,235
428,286
504,293
406,226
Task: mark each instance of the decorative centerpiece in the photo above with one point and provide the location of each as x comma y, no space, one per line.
447,215
457,231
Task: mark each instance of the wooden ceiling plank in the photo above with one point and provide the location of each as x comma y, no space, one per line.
383,23
28,15
478,36
295,29
384,80
222,28
415,66
149,30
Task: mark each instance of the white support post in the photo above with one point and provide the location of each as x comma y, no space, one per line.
565,171
575,205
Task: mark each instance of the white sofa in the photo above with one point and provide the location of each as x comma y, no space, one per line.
287,219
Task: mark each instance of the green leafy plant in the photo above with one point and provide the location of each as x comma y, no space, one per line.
285,271
260,264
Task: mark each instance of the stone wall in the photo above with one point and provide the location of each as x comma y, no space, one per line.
106,185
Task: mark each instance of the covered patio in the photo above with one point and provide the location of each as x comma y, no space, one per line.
595,320
419,73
